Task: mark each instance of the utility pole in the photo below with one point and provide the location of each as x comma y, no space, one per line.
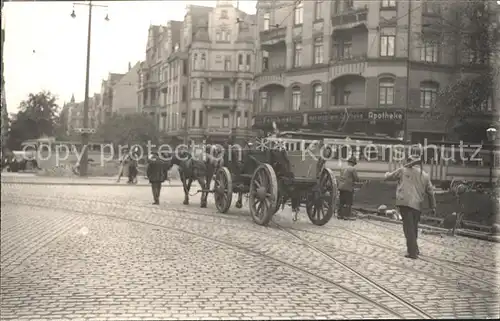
406,136
86,130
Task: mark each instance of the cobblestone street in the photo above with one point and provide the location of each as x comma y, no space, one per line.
104,252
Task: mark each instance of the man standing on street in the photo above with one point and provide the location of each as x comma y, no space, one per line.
413,185
348,176
156,175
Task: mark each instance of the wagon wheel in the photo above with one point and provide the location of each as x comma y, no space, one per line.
321,202
223,190
263,194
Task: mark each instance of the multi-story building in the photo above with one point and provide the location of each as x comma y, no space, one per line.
205,77
352,66
74,114
125,92
105,107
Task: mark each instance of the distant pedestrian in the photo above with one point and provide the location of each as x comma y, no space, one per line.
348,176
123,171
156,175
413,184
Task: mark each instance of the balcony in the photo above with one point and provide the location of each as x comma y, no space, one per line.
272,37
215,74
350,18
220,103
347,66
217,131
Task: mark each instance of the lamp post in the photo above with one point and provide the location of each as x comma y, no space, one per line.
85,132
491,133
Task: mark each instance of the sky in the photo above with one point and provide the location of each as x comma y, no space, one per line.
59,42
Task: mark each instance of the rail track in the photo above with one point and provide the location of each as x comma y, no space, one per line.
256,229
241,249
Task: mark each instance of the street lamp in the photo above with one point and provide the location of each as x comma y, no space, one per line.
85,132
491,133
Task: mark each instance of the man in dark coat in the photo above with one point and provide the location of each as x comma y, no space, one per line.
156,175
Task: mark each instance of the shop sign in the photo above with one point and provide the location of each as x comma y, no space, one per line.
279,119
340,115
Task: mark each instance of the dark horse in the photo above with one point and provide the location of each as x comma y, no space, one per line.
191,168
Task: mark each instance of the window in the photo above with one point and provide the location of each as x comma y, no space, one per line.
386,91
248,91
317,9
429,51
193,118
240,60
347,49
239,93
428,94
318,96
267,20
264,101
265,61
223,14
203,61
296,98
218,35
238,118
249,61
183,120
387,41
318,51
194,89
184,67
200,120
225,120
227,63
227,92
226,35
388,3
202,87
297,62
349,4
183,93
432,7
298,17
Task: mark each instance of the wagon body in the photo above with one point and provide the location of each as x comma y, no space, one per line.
257,173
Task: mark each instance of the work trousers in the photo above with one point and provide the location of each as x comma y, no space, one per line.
345,203
156,188
411,218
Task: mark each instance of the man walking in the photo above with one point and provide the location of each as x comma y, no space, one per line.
156,175
348,176
413,185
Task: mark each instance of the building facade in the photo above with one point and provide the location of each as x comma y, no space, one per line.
124,92
74,114
105,108
198,75
343,65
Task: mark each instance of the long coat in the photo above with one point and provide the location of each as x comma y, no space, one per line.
156,171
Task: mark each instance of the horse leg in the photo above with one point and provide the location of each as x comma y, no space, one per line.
203,185
186,185
239,202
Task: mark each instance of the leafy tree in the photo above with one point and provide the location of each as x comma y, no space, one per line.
468,27
128,129
37,117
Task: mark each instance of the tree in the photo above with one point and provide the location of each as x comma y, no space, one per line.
128,130
468,27
37,117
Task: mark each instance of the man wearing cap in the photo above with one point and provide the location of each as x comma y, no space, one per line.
413,184
348,176
156,175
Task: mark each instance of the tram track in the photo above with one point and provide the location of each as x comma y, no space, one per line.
246,251
421,313
423,238
430,260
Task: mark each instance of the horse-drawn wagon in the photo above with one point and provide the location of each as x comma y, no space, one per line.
268,174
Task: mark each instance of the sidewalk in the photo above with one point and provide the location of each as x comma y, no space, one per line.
33,179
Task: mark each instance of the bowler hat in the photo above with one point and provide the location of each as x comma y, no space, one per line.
352,160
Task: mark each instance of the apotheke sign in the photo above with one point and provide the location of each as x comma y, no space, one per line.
385,115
